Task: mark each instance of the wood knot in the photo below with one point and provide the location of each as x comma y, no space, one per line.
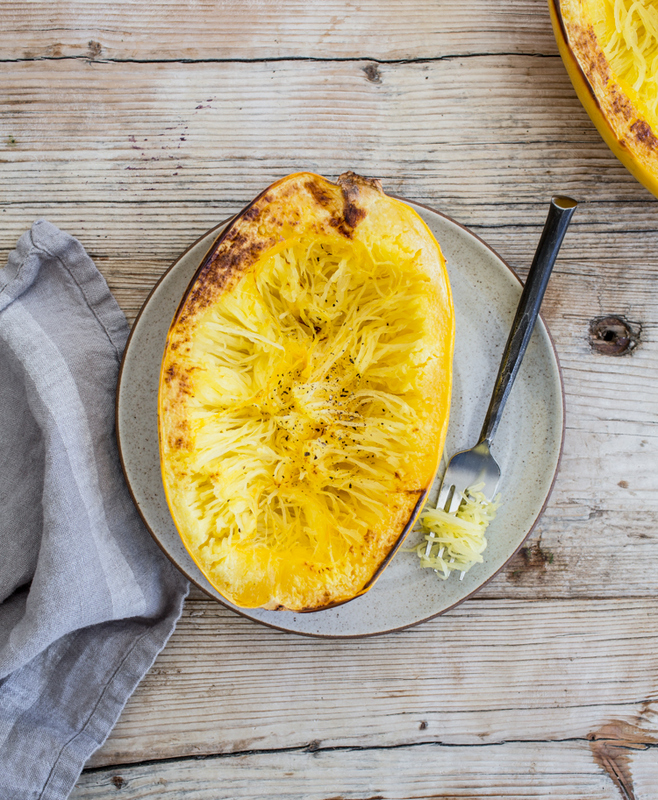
613,335
118,781
372,73
530,559
93,49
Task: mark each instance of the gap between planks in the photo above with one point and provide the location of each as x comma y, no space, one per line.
285,59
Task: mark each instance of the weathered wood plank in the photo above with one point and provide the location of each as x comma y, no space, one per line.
523,770
243,29
202,132
487,672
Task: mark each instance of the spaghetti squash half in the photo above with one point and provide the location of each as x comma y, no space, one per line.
610,50
305,391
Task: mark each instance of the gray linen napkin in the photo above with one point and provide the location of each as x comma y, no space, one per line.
86,598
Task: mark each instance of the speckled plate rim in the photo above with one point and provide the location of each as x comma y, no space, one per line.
315,635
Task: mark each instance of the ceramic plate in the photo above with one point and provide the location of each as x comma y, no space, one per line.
527,445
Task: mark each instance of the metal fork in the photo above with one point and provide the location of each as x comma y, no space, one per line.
477,465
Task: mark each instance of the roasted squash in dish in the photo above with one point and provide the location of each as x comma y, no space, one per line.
305,392
610,50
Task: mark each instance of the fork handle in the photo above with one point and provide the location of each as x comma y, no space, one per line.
559,215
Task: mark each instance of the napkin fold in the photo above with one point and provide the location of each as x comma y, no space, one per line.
87,600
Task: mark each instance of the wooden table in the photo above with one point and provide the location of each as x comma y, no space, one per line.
137,126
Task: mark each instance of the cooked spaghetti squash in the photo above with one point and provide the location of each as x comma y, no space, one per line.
610,49
304,393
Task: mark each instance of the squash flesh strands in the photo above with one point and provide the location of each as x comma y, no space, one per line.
309,409
272,497
454,542
628,32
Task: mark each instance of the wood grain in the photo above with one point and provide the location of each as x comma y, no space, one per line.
203,133
487,672
243,29
522,770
